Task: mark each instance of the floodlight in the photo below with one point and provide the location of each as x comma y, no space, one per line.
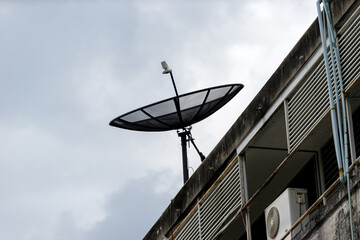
165,67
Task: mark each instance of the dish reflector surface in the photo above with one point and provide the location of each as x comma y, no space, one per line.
179,111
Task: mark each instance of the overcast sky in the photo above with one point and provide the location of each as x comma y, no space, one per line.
69,67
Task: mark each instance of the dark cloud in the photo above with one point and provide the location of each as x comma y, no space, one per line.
130,213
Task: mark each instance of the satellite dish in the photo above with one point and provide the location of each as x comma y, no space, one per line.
273,222
178,113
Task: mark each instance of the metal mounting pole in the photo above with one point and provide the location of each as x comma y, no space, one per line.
173,82
202,156
166,71
183,136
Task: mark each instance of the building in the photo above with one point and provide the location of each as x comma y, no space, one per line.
281,145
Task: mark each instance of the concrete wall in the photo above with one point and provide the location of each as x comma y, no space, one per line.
332,221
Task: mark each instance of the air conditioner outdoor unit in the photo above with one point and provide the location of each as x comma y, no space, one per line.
281,214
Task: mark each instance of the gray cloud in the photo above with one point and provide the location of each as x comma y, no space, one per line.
129,213
68,67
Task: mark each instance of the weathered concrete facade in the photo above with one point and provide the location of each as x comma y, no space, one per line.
242,140
331,219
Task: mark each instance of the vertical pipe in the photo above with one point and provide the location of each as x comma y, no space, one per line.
286,113
344,137
350,206
343,132
344,113
351,130
245,196
331,98
338,110
320,184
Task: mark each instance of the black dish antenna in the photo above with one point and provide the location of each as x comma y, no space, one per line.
178,113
